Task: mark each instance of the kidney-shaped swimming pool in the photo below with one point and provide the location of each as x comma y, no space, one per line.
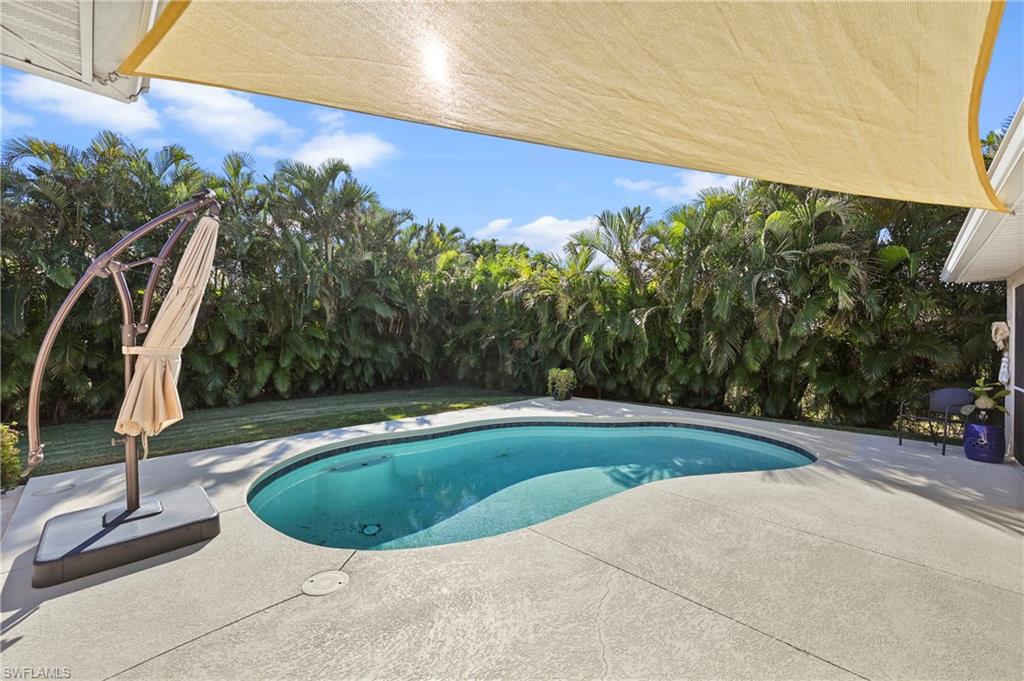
485,480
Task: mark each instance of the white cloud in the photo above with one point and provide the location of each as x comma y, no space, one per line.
546,233
359,149
494,227
80,106
635,185
231,120
685,187
329,119
12,119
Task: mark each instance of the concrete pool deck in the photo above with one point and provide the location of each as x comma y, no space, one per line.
877,561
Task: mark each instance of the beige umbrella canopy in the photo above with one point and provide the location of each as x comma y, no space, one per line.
152,402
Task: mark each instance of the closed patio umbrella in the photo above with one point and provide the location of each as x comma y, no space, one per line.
89,540
152,402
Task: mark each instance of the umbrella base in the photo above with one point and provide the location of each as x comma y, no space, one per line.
85,542
146,508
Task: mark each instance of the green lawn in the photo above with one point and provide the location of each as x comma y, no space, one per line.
80,445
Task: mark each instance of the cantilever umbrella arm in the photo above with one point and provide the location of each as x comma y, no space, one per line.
107,265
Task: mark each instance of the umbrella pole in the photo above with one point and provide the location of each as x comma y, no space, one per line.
129,335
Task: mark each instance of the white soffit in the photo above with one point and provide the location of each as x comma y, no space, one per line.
79,43
990,245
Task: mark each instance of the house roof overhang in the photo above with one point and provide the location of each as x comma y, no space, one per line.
990,245
81,44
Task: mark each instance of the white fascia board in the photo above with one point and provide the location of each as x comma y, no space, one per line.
1007,176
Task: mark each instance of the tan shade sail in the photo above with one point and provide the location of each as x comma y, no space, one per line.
873,98
152,401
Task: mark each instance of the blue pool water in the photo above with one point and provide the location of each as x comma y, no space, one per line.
473,484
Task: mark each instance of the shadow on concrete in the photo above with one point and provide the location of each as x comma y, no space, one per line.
992,494
988,493
21,600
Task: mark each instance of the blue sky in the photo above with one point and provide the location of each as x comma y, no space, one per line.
487,186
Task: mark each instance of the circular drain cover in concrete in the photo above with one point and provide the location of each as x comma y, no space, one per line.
59,488
324,583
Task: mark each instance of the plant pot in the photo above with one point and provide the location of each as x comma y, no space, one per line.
984,442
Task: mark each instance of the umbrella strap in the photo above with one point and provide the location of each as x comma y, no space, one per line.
172,353
145,445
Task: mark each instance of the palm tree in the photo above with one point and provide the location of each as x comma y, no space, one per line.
625,240
761,298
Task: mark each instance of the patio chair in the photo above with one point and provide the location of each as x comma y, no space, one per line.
943,407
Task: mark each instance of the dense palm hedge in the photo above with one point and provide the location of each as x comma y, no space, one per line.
764,299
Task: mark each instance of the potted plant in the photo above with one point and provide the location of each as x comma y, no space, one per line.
561,383
983,439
